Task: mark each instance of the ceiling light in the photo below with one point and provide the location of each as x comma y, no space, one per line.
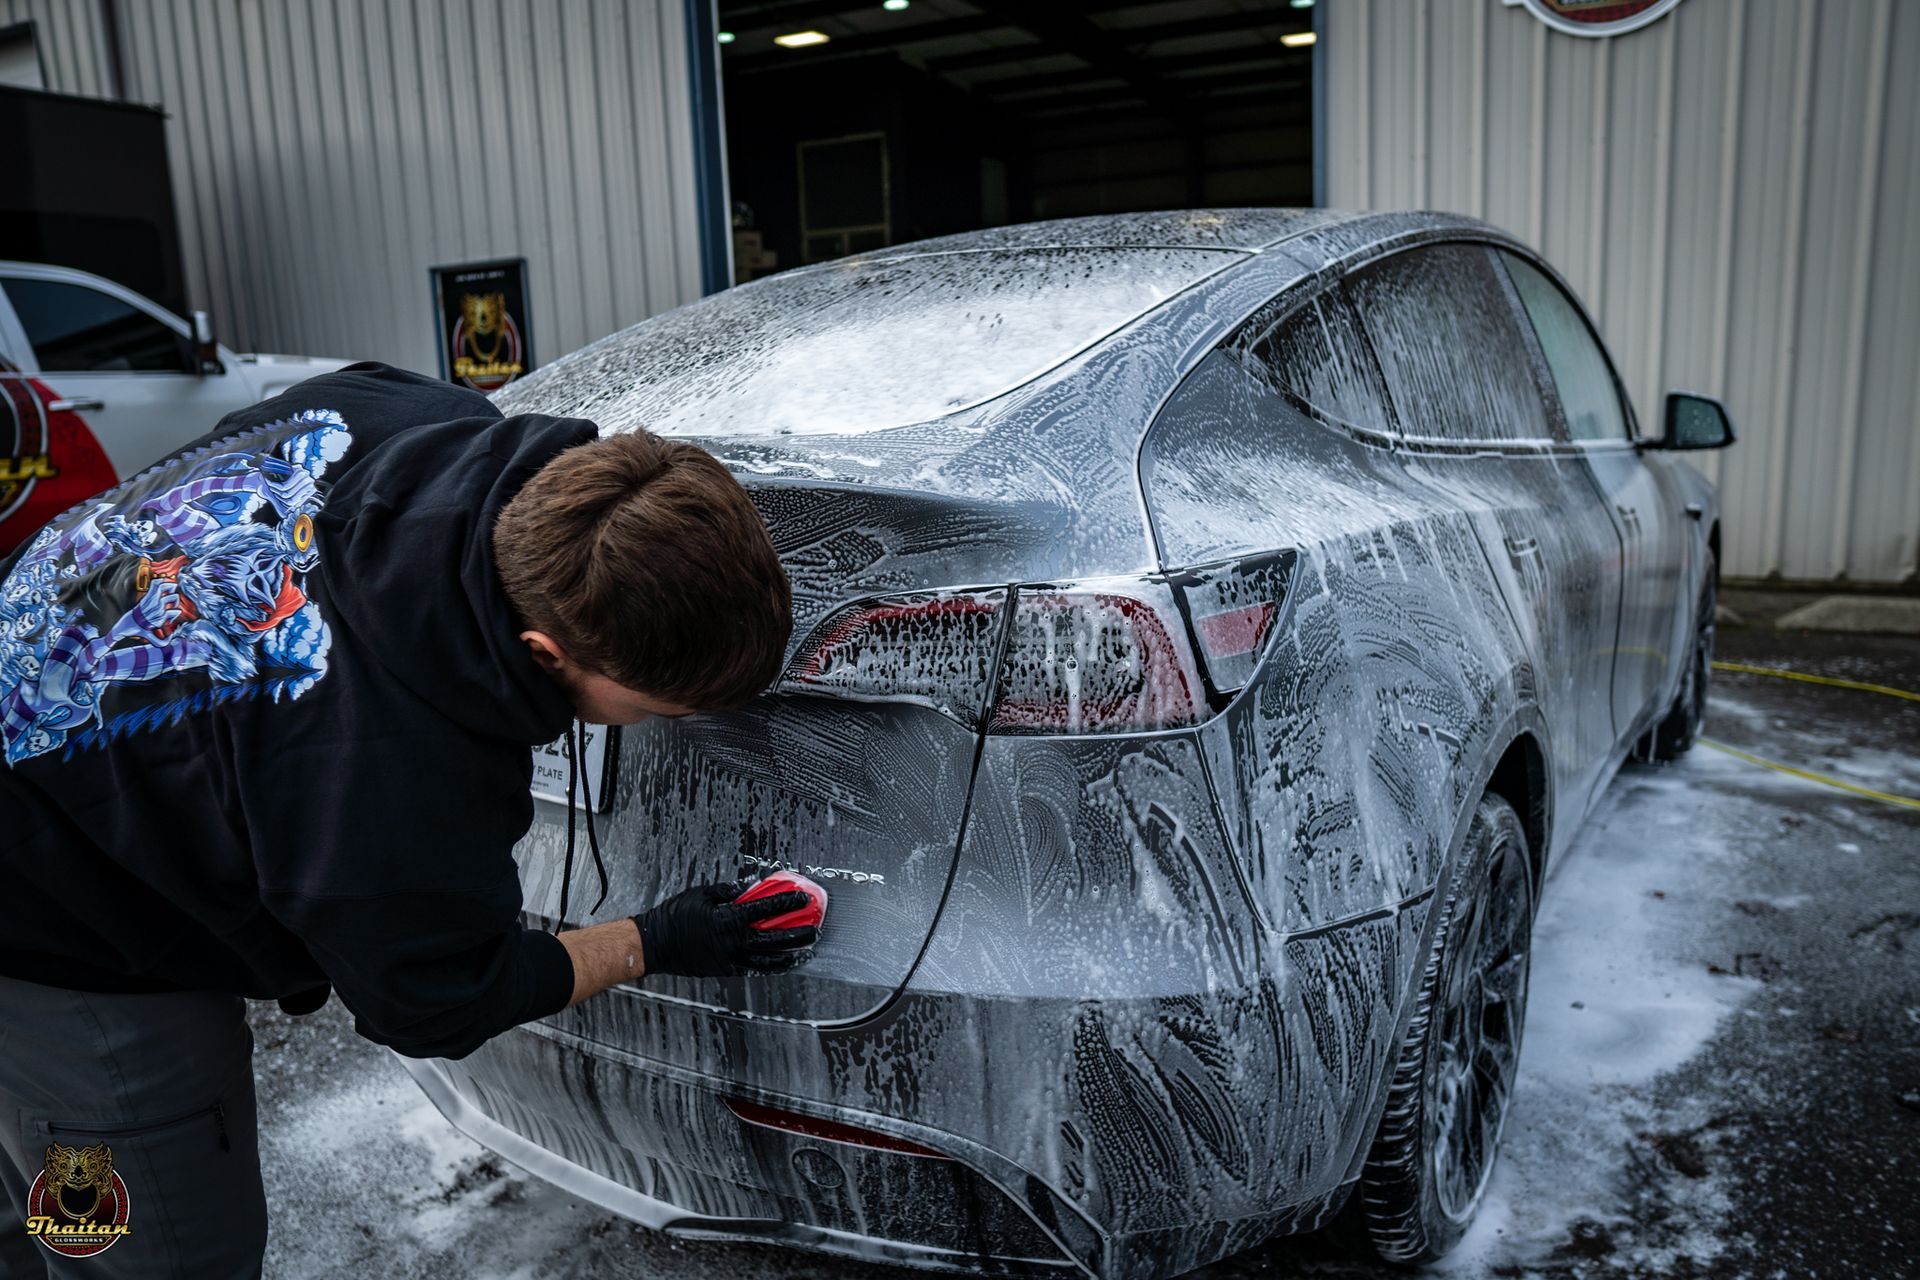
800,39
1298,39
1301,4
893,6
725,37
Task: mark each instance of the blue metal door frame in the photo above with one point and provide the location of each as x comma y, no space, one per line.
709,146
1318,131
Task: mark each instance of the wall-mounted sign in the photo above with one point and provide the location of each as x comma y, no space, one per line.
486,340
1596,17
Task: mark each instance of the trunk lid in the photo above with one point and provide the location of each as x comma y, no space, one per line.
866,794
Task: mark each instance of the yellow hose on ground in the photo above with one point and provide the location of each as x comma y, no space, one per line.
1835,681
1852,788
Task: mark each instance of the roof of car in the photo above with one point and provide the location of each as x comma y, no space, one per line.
1247,230
919,331
1316,237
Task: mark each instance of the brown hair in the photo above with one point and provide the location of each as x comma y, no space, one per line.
649,564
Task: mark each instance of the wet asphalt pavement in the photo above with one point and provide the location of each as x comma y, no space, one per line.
1721,1075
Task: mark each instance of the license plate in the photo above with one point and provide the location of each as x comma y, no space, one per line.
591,789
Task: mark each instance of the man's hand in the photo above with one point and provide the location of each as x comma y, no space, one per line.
703,933
699,933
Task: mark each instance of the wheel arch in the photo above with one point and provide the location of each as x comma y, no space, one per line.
1520,778
1518,769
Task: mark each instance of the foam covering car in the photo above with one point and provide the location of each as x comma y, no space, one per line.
1209,626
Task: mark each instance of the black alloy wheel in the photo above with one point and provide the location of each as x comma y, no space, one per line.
1673,736
1434,1154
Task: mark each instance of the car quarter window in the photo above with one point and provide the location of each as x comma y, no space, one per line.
1457,364
1317,356
76,329
1589,397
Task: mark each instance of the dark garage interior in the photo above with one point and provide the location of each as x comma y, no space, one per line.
853,126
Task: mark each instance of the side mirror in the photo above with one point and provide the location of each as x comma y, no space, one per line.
206,351
1695,422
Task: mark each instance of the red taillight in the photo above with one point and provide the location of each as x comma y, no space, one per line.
1234,607
933,648
1114,655
1105,658
1235,632
826,1130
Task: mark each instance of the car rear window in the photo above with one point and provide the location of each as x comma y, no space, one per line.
871,343
1317,356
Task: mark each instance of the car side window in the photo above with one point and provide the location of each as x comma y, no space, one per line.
1317,357
76,329
1589,397
1450,345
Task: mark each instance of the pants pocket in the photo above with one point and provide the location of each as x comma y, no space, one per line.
178,1195
80,1131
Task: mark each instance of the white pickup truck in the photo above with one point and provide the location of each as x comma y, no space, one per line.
96,382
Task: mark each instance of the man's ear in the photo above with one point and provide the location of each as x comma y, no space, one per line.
546,651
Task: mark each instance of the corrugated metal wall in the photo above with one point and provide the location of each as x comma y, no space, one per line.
327,152
1733,190
72,39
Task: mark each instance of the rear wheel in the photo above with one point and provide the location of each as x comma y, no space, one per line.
1434,1152
1675,734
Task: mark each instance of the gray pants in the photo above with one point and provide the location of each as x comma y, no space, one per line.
165,1084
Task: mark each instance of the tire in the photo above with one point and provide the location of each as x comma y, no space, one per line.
1673,736
1434,1152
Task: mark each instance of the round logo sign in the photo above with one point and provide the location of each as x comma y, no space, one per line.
78,1206
1597,17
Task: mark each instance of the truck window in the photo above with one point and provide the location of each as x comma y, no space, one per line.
75,329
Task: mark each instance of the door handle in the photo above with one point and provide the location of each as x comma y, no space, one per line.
1696,511
76,404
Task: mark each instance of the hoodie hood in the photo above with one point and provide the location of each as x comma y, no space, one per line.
419,506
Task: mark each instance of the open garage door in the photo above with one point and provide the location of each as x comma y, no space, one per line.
854,126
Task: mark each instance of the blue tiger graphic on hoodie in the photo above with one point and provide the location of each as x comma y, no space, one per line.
199,565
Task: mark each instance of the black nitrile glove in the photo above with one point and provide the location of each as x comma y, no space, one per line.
703,933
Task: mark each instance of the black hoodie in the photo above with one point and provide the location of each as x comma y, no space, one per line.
267,721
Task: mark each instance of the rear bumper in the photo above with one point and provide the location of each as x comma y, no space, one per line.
650,1143
1129,1073
1100,1174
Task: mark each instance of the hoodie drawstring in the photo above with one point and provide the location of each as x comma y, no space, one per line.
566,871
593,838
576,751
